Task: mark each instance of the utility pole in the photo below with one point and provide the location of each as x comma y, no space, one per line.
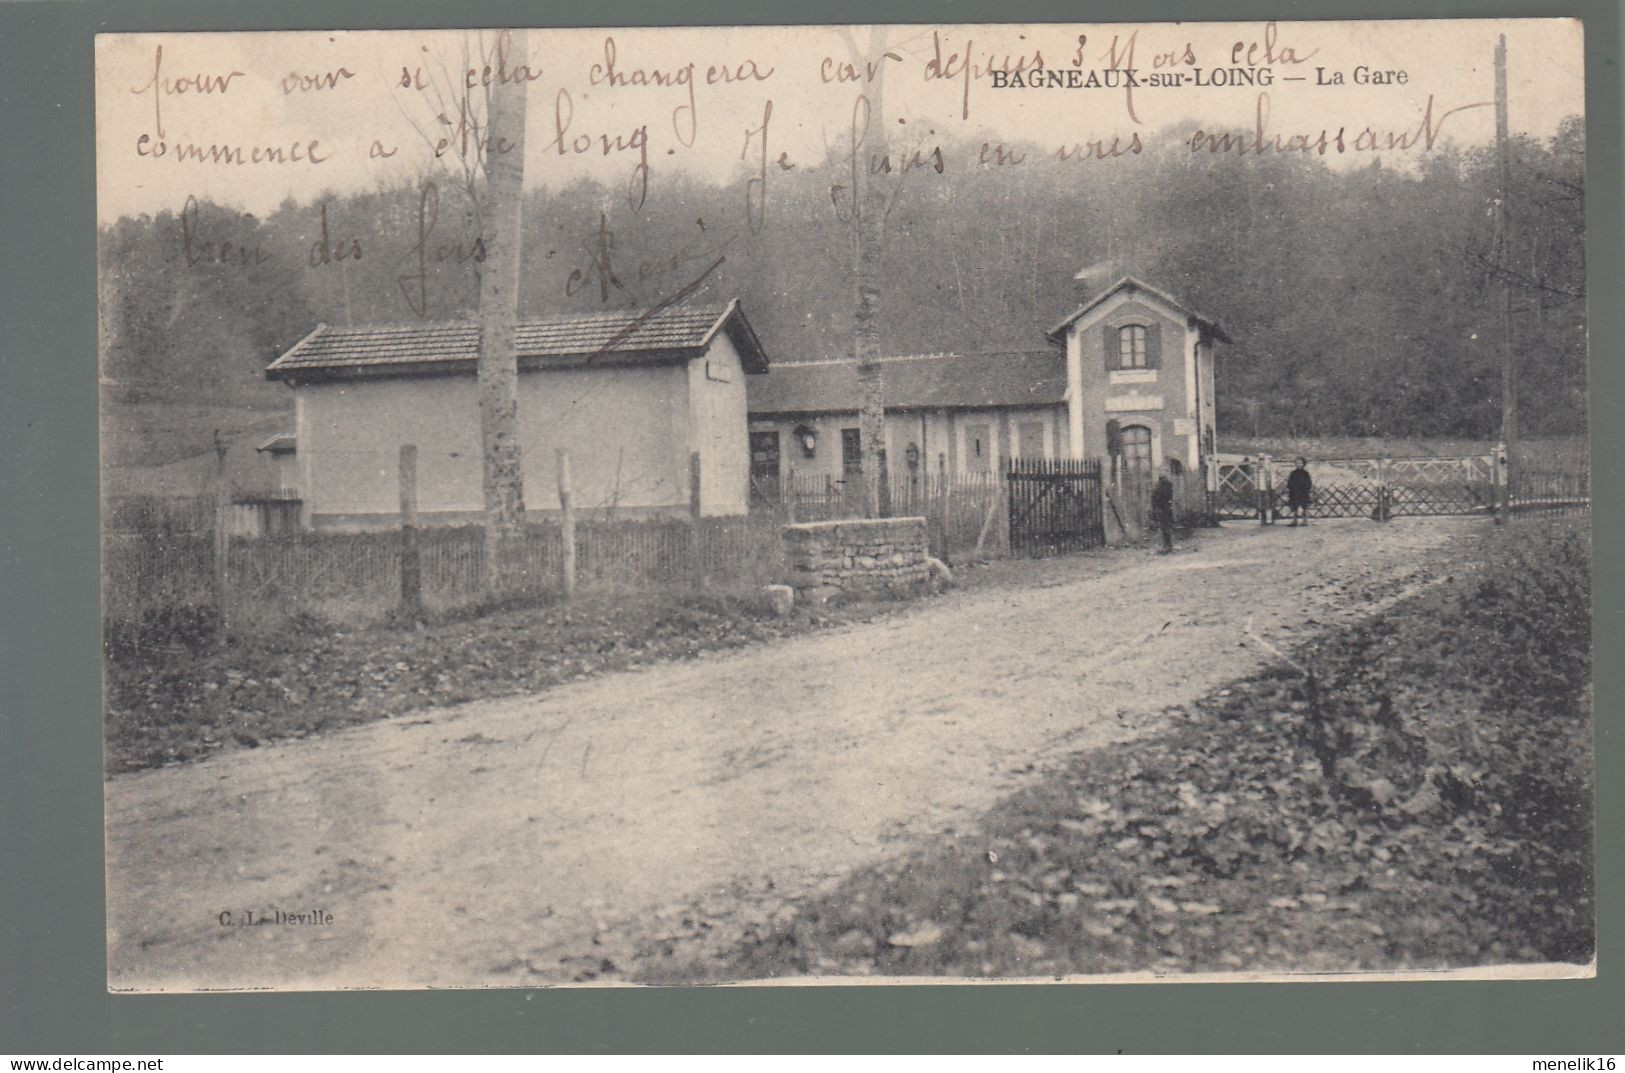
222,540
567,527
1509,373
411,559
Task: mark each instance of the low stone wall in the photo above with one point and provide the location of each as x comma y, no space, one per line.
859,557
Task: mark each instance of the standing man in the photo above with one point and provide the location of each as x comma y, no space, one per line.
1299,488
1162,511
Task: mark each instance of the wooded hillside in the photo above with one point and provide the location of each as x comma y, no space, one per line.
1362,301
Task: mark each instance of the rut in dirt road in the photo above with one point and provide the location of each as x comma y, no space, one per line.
517,840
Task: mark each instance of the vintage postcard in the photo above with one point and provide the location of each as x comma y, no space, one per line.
781,504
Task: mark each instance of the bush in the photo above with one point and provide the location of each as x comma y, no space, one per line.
1530,616
185,627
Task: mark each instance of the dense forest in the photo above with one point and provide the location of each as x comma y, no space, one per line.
1362,301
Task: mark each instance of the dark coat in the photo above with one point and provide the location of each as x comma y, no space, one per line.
1162,502
1299,487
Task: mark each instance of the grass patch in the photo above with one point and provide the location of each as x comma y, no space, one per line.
1414,793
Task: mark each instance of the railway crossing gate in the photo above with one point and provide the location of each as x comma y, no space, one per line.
1244,487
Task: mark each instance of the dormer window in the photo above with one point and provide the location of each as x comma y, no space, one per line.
1131,347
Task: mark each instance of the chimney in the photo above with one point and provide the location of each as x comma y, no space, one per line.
1091,280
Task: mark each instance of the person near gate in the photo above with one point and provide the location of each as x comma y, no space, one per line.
1300,488
1162,511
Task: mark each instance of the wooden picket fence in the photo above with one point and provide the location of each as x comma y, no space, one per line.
356,576
159,556
1030,506
1548,492
1055,505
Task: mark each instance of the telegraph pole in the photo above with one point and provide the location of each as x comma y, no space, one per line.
1509,373
222,540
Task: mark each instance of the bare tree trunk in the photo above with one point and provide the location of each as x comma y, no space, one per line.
869,224
498,369
1503,260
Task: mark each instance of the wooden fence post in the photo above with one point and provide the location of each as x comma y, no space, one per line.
1109,497
1266,481
1207,490
696,548
222,539
1502,484
787,495
567,527
987,519
411,564
1004,514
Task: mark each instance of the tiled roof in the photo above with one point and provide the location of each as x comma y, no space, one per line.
926,381
675,333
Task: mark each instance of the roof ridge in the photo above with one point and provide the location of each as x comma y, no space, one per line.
931,356
674,330
1136,283
1019,378
706,308
883,357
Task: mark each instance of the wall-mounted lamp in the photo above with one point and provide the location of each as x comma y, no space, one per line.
807,436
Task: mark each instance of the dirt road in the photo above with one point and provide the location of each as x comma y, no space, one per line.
516,841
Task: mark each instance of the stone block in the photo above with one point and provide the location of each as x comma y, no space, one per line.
782,598
881,555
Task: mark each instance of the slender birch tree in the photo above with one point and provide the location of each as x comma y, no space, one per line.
478,134
868,213
498,369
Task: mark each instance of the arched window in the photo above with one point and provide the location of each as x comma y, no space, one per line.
1131,347
1136,449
